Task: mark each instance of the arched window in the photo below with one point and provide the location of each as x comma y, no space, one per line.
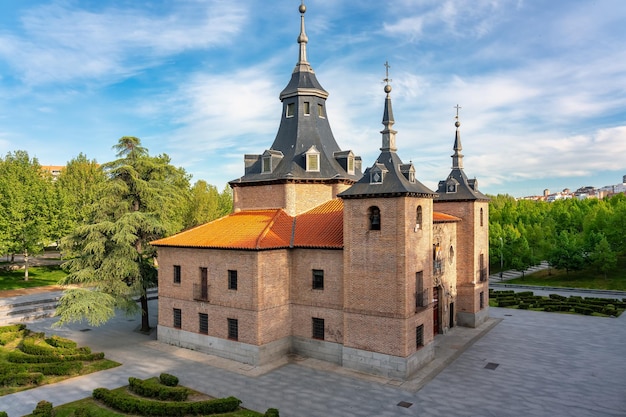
481,217
418,218
374,217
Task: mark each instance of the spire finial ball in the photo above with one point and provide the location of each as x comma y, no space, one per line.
457,123
302,8
387,89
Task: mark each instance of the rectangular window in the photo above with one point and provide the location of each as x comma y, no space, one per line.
320,110
307,108
419,336
318,279
291,109
482,300
233,329
232,280
318,328
351,165
267,164
176,274
177,318
421,294
203,323
313,162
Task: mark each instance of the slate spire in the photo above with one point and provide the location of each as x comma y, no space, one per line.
457,158
389,135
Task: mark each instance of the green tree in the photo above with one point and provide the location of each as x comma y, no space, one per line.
567,253
603,258
25,191
75,193
111,255
207,204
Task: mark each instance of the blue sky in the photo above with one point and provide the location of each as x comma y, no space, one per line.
542,84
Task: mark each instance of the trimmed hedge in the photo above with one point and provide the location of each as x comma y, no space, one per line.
168,379
12,328
21,357
8,337
61,342
3,414
152,388
132,405
271,412
21,378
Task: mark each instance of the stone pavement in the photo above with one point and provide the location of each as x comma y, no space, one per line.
529,364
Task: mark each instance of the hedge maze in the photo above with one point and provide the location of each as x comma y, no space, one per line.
526,300
28,359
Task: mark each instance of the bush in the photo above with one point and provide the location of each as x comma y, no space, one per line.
169,380
61,342
12,328
133,405
271,412
3,414
21,379
8,337
151,388
43,409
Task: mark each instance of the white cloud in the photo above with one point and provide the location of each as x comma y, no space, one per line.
61,44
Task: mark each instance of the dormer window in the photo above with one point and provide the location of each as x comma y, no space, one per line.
307,108
312,159
351,165
320,111
377,173
291,109
267,164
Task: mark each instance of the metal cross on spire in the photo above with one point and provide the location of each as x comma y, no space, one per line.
387,80
457,107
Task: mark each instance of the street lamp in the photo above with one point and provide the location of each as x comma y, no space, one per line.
501,258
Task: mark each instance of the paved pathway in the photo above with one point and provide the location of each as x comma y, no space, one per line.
546,364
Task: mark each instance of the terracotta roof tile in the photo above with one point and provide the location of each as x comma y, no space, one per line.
321,227
251,229
442,217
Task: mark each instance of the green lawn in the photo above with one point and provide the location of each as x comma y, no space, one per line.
38,276
587,278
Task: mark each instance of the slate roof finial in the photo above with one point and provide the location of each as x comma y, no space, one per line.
457,158
389,135
302,38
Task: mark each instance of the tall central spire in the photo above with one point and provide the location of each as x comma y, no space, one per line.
389,135
302,39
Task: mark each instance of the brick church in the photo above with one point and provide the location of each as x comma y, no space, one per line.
325,260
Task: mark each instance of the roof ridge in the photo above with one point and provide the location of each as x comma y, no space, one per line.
269,226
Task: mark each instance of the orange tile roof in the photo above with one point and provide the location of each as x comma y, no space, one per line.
442,217
320,227
250,229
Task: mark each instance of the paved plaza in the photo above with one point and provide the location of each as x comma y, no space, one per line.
523,363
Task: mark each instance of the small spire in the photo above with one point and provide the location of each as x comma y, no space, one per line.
302,38
389,135
457,158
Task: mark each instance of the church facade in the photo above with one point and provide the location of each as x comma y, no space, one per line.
325,260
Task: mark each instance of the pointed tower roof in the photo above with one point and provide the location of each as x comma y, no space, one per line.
457,186
304,147
389,176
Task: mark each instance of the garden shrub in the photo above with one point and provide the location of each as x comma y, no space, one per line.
12,328
152,388
3,414
21,378
43,409
168,379
271,412
8,337
133,405
61,342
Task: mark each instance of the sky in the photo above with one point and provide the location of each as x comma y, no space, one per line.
541,84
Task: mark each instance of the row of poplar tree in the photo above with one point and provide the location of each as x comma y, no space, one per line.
103,216
570,234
